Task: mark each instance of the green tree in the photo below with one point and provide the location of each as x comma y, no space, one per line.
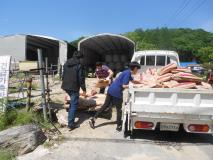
75,42
205,54
190,44
145,46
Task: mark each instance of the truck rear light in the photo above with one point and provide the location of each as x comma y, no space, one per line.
198,128
144,125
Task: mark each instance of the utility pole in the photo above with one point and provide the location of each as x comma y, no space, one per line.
43,99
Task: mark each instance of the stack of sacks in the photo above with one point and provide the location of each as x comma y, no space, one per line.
186,77
177,70
171,77
164,78
168,68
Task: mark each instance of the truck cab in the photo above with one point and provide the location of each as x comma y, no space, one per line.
155,58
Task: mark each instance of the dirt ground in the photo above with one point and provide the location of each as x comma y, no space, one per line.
105,143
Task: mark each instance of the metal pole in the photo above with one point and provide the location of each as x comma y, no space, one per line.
43,100
48,95
59,68
29,88
48,89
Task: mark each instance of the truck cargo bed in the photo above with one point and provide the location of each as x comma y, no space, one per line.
169,100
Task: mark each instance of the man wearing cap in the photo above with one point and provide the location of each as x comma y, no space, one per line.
115,94
73,79
103,72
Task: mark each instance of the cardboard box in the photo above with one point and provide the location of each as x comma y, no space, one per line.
102,83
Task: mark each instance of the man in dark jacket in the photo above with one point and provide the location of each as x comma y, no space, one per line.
72,80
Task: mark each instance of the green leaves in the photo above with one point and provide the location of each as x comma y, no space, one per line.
205,54
144,46
188,43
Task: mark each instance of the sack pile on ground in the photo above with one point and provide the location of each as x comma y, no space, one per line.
91,102
170,76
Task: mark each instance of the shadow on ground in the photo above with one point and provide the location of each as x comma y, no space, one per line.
179,137
82,116
57,106
86,115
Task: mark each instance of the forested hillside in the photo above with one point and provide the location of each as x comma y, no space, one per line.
187,42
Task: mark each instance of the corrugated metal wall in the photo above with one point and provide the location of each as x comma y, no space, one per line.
13,45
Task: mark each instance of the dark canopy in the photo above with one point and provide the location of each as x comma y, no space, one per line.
96,48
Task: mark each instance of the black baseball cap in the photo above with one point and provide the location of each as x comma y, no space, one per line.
134,64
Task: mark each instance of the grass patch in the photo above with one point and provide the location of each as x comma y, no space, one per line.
6,155
16,114
23,118
15,117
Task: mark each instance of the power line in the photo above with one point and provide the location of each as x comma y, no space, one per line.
181,8
174,14
196,7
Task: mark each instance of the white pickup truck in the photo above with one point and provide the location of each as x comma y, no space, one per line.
166,108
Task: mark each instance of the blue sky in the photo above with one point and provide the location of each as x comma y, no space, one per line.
70,19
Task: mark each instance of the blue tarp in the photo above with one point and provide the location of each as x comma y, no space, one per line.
185,64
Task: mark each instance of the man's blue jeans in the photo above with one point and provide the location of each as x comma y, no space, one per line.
74,97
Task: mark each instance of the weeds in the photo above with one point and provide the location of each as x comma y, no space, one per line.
6,155
15,117
20,116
